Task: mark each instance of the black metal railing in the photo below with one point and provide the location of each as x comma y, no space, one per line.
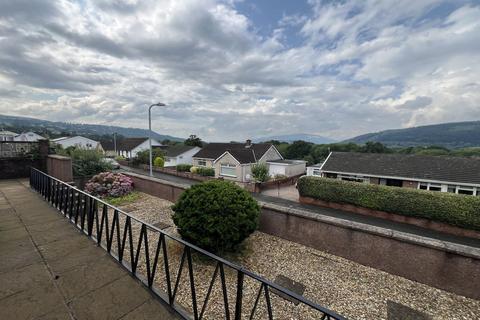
117,231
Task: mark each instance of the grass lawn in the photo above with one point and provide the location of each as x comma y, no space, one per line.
120,201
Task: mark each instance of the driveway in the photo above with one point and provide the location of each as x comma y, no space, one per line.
284,192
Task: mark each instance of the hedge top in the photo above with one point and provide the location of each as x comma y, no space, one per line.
459,210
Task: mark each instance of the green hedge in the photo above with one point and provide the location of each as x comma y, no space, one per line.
207,172
458,210
183,167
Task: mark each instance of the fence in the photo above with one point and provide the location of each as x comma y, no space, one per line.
14,149
150,257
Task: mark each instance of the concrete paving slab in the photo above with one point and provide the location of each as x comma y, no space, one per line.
111,301
21,279
87,277
33,302
50,270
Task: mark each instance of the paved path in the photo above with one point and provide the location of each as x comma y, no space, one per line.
48,270
350,216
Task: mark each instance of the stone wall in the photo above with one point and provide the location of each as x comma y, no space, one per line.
15,164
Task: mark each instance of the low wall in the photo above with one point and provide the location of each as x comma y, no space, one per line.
446,266
14,168
421,222
172,171
274,184
60,167
443,265
159,188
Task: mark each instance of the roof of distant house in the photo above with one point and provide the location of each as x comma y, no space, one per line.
437,168
243,152
7,133
177,149
128,144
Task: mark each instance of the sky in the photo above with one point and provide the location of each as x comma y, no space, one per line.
232,70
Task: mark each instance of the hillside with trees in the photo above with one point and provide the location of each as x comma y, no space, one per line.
448,135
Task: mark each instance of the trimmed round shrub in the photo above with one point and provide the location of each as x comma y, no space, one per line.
109,184
216,215
193,169
159,162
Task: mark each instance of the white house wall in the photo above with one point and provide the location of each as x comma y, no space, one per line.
143,146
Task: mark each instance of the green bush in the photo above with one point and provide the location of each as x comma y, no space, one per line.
216,215
206,172
260,172
459,210
85,162
120,158
143,157
159,162
183,167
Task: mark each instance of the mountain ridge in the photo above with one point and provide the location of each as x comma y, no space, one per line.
58,127
313,138
450,135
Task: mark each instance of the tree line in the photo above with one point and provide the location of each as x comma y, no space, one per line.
315,153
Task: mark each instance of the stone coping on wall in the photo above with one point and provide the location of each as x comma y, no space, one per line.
158,180
467,251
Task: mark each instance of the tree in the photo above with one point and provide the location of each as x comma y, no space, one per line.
260,172
216,215
143,157
375,147
298,149
193,141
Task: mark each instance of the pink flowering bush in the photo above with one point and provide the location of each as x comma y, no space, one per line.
109,184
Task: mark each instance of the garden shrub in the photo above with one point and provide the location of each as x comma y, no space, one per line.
85,162
216,215
159,162
109,184
120,158
459,210
206,172
193,169
183,167
143,157
260,172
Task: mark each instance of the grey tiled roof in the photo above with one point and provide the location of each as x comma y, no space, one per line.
239,151
441,168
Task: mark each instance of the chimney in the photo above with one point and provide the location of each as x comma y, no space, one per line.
248,143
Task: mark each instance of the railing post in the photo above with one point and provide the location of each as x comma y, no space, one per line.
238,303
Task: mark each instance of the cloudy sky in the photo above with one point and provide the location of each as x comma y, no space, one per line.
237,69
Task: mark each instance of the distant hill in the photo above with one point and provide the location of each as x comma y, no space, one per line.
294,137
449,135
55,129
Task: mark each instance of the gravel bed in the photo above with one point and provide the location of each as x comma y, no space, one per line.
350,289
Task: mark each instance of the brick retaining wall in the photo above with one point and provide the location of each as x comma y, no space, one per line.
420,222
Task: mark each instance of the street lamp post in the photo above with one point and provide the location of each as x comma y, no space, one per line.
159,104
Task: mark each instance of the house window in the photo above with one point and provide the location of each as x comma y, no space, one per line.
228,170
451,189
465,190
202,163
353,178
316,172
435,187
423,186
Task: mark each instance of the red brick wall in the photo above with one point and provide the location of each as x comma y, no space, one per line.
410,184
